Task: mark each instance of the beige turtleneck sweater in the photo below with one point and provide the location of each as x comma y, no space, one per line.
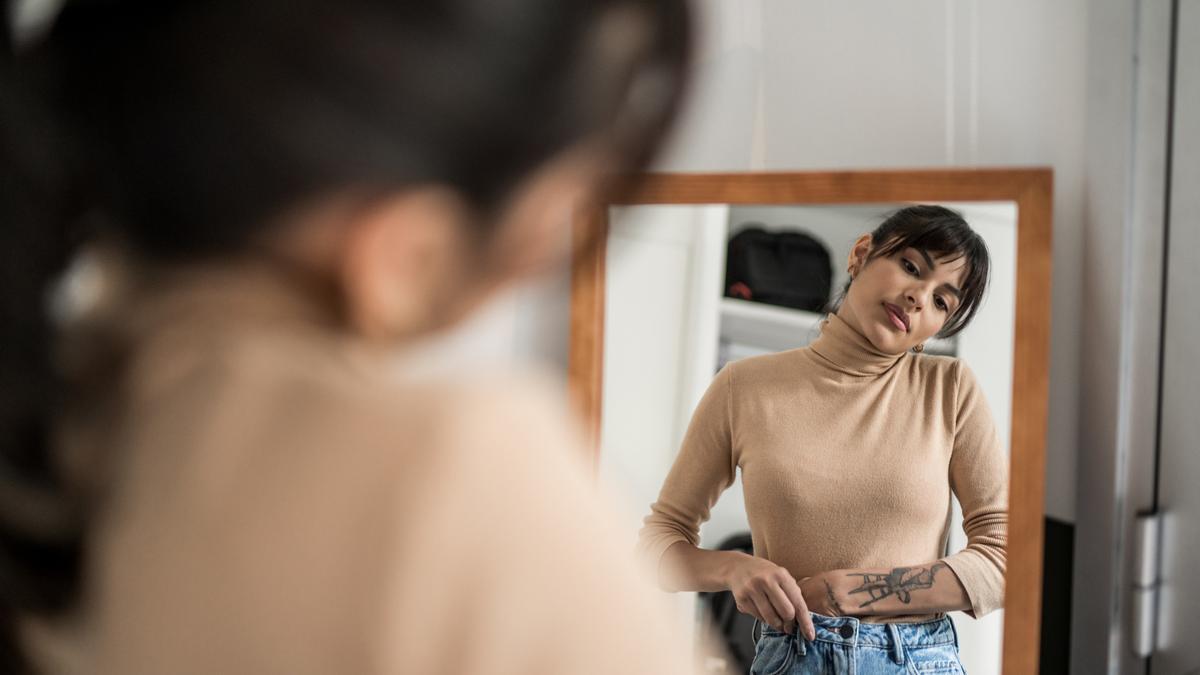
848,458
277,497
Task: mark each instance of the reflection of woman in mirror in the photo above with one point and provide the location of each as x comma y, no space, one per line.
849,450
233,463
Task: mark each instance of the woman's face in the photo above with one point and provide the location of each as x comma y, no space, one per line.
901,300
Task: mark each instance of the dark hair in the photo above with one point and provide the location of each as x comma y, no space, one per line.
941,232
184,126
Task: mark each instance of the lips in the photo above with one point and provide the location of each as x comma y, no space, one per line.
897,316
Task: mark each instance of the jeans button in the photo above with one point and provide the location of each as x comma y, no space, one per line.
846,630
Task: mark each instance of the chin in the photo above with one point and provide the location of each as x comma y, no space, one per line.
886,341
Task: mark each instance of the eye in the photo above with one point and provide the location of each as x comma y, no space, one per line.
910,268
940,303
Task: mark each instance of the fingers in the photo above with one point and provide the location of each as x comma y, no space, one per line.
782,605
766,612
792,589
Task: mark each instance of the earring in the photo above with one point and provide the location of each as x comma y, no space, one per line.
919,348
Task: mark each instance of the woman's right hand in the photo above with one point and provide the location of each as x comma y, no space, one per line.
768,592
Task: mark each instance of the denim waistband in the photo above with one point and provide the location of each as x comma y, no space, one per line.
851,631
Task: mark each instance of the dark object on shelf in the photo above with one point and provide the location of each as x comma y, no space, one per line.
721,613
787,268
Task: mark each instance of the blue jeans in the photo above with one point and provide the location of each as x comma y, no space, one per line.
847,646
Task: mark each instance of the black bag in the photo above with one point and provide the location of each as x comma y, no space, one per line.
787,268
721,613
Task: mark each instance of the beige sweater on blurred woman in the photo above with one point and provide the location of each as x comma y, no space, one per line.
277,498
848,458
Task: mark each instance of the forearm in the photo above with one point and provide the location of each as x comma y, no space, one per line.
918,589
685,567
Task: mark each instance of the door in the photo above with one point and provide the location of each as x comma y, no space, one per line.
1178,473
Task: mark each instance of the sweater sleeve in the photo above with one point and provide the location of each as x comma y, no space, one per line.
979,478
704,468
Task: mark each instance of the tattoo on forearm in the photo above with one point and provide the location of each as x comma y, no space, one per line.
833,602
900,582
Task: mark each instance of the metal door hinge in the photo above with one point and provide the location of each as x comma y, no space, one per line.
1144,598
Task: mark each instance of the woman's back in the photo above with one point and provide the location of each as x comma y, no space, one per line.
281,498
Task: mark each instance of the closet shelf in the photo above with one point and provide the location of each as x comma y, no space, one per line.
767,326
774,328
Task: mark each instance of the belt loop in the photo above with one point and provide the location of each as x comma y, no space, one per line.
798,636
897,644
753,629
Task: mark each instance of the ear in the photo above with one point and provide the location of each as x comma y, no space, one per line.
859,253
403,263
533,233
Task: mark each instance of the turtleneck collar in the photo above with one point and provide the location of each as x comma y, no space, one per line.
849,351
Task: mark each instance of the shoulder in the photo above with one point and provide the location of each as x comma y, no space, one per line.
950,370
768,367
314,393
931,368
346,435
950,381
937,377
935,365
464,427
515,423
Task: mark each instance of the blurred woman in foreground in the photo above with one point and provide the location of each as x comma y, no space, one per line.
208,462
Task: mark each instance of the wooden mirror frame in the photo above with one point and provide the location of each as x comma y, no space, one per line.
1030,188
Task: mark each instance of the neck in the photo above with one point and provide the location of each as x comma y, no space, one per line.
847,350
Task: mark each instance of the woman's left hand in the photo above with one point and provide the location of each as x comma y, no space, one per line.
822,593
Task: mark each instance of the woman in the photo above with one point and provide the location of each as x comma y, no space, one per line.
211,459
849,449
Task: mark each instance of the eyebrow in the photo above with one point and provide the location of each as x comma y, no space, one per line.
929,261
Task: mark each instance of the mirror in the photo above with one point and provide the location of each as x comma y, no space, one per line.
653,322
